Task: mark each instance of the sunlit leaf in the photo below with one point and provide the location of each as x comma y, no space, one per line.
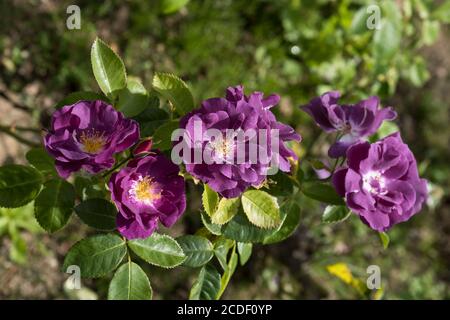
108,68
261,208
160,250
96,256
130,283
18,185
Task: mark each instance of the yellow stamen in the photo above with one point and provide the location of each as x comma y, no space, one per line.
92,141
144,190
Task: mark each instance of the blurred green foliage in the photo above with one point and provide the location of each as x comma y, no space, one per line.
12,223
297,48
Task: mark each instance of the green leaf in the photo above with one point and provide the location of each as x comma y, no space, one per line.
385,129
97,213
384,237
41,160
290,221
232,264
74,97
18,250
130,283
245,251
240,229
226,210
162,139
207,285
281,185
198,250
261,208
133,99
18,185
359,22
430,31
160,250
221,248
175,90
335,214
89,188
442,13
417,73
97,255
212,227
171,6
322,192
53,207
108,68
210,199
152,117
386,41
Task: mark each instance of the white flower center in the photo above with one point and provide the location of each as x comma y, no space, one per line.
374,182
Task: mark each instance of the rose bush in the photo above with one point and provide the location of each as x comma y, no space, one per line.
97,165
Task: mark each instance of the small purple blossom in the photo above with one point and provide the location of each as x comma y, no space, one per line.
354,123
86,135
147,191
381,183
237,113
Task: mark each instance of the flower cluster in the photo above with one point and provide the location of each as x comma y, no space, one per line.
87,135
149,189
243,123
380,181
242,143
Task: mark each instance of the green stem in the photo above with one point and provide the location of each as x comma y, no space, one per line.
20,128
334,166
11,133
116,166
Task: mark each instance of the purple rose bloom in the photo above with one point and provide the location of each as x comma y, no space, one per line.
381,183
354,122
228,173
146,191
86,135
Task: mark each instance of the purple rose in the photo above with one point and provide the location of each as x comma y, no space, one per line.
86,135
381,183
146,191
229,173
353,122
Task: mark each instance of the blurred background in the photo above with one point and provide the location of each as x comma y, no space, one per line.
296,48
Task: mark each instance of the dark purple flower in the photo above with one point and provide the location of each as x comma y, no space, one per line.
353,122
86,135
228,173
381,183
146,191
